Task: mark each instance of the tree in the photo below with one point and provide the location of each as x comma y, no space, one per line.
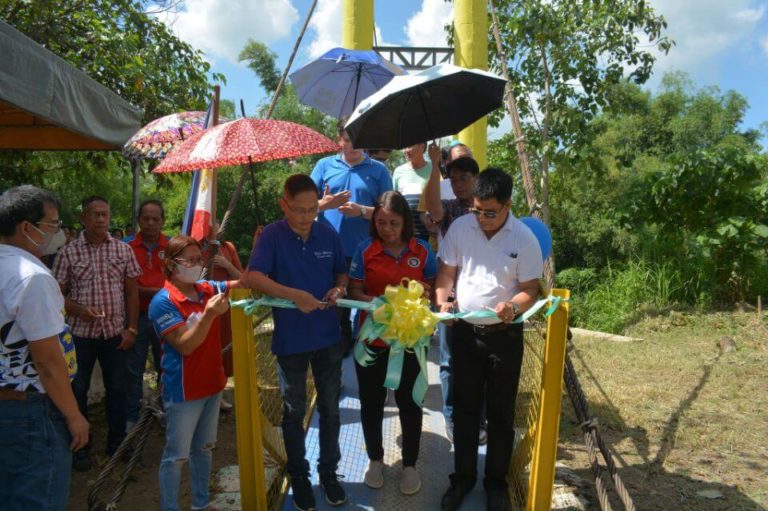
562,59
261,60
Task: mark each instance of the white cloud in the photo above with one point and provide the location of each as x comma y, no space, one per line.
221,27
764,44
704,31
326,24
426,27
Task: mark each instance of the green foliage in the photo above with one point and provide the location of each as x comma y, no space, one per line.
261,60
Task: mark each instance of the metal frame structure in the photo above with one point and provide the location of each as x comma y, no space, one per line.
415,58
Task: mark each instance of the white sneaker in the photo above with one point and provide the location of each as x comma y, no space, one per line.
411,481
374,474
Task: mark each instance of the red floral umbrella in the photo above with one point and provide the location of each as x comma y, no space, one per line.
243,141
160,136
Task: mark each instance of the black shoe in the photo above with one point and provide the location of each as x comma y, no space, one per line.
455,494
334,493
498,496
303,498
81,460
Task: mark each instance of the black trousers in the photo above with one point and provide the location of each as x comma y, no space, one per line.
373,394
487,364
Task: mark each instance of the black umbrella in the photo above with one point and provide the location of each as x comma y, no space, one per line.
434,103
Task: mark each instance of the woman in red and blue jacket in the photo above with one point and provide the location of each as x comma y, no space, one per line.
185,315
391,255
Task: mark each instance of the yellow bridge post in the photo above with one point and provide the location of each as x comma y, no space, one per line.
471,51
357,25
542,476
250,450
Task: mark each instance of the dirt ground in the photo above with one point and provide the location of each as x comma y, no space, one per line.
684,411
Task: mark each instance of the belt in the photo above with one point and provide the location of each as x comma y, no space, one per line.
15,395
490,329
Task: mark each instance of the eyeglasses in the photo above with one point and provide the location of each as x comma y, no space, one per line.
189,263
304,211
487,213
56,223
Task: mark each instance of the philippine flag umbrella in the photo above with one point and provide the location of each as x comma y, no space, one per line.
433,103
245,141
337,81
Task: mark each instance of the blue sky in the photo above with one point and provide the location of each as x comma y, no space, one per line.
721,43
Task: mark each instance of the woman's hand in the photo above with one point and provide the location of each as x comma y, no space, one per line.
217,305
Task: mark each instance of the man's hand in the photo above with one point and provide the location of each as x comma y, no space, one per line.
223,262
448,307
89,314
218,304
127,339
434,153
333,294
306,302
505,312
351,209
78,428
334,200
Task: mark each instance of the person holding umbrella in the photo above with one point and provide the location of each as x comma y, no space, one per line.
350,183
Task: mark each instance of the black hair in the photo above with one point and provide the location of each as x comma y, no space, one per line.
340,130
24,203
493,183
463,164
397,204
147,202
91,199
297,184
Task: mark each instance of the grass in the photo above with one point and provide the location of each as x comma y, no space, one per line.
683,415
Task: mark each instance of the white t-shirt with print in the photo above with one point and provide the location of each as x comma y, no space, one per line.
31,309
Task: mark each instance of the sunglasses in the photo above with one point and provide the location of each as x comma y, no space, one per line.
487,213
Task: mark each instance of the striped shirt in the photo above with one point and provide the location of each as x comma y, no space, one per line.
94,276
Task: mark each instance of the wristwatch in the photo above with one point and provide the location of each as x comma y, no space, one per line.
515,309
342,291
132,330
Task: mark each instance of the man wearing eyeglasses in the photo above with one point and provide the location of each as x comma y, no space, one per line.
41,423
97,275
302,260
495,263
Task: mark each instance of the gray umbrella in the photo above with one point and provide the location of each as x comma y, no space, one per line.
434,103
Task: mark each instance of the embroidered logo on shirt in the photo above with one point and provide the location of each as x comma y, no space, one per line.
323,254
413,262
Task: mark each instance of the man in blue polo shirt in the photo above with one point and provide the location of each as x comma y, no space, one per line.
350,183
302,260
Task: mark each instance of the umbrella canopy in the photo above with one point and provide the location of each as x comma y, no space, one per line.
337,81
243,141
159,136
436,102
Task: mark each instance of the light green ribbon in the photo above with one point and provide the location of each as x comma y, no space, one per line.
370,330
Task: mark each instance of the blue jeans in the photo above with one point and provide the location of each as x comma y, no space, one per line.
326,370
446,370
190,434
35,460
113,369
136,363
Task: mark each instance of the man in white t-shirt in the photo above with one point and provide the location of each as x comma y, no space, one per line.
41,423
495,263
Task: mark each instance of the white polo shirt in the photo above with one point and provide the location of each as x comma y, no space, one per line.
490,270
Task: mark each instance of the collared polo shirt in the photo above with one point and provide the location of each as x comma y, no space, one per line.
366,181
377,268
490,270
201,373
150,259
311,266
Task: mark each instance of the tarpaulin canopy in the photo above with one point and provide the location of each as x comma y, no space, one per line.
48,104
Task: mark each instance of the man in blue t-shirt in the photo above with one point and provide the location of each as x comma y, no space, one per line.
302,260
350,183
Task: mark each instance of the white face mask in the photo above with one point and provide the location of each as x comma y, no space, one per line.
51,242
189,275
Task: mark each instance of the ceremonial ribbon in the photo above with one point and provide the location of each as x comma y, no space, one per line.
402,320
